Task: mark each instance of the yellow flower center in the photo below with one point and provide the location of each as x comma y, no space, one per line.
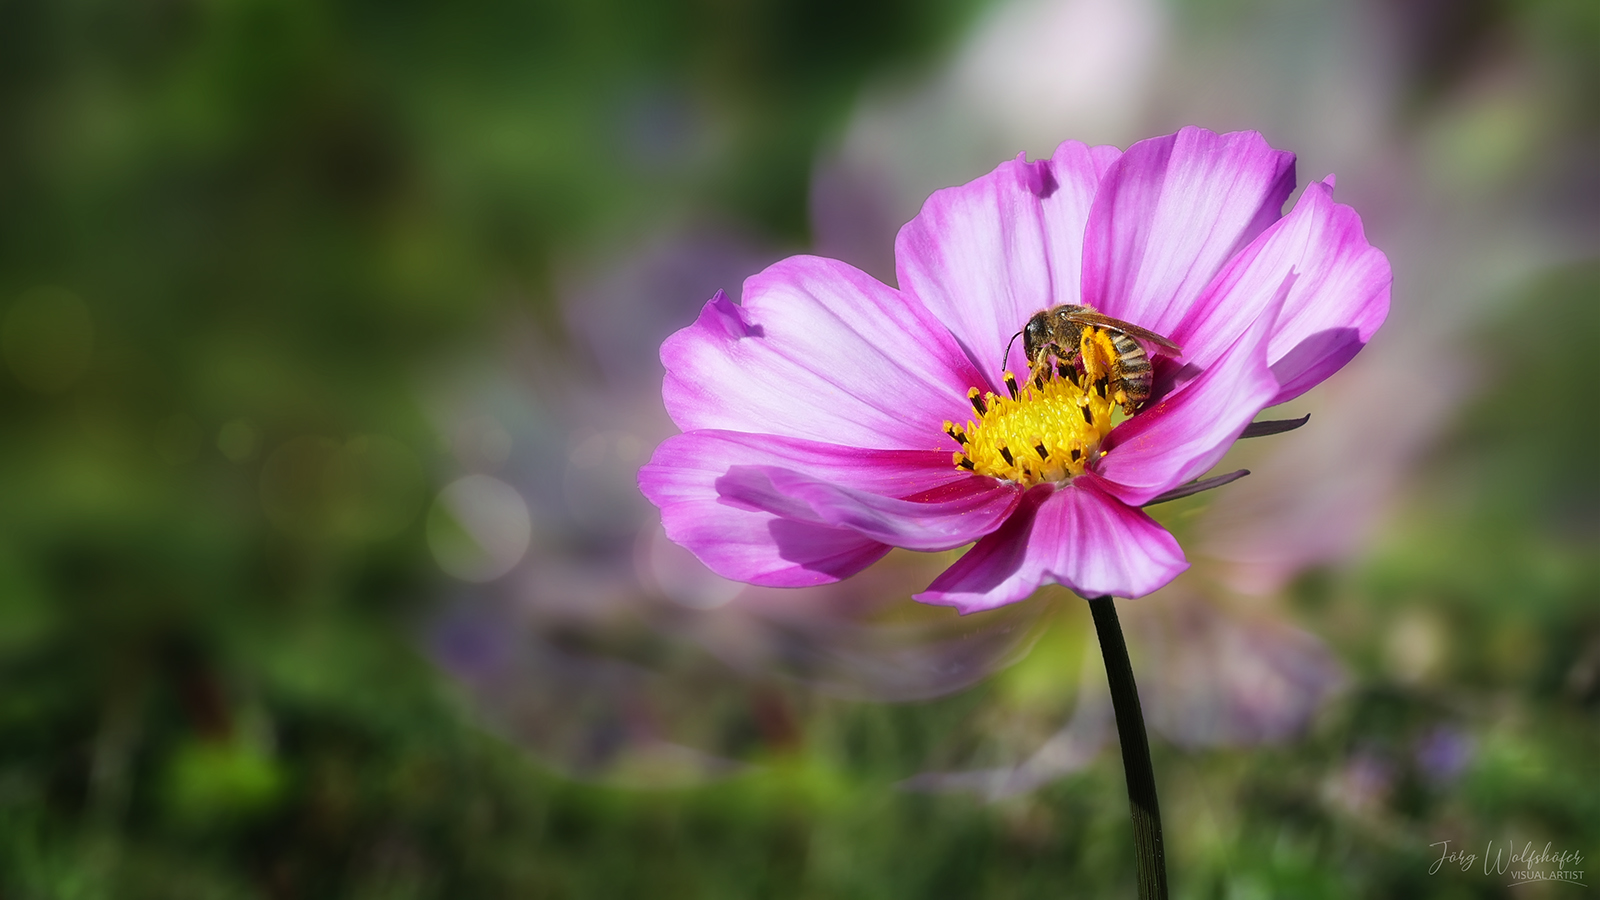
1049,428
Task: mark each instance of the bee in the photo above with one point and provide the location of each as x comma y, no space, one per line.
1059,332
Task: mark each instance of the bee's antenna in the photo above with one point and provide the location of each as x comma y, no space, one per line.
1008,348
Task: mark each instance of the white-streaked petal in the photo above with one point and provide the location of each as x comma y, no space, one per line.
1171,213
744,534
821,351
1337,297
988,254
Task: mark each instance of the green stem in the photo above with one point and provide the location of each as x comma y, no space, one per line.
1147,846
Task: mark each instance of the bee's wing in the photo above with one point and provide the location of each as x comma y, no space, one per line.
1090,317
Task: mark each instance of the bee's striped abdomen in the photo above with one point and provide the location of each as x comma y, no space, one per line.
1133,367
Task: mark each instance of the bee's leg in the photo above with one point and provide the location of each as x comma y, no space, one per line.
1069,365
1038,366
1130,404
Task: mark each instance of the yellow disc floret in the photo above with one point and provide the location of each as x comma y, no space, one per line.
1047,430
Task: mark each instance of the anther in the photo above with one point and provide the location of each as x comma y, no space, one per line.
977,401
1006,452
962,461
1011,385
1039,448
1088,417
1100,386
956,432
1076,454
1064,370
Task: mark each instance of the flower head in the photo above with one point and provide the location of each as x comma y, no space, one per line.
831,417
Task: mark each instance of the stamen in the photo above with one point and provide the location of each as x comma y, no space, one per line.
962,461
1064,370
1011,384
1006,452
977,401
1039,448
1088,417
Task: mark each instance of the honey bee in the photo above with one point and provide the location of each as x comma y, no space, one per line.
1059,332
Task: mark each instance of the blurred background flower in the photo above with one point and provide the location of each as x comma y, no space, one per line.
329,338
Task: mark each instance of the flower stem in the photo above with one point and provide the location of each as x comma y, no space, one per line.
1147,845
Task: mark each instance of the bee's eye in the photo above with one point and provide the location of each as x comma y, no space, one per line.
1035,330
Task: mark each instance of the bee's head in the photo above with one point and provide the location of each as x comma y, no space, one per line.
1036,333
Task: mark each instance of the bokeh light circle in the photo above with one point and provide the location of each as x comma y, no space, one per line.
479,528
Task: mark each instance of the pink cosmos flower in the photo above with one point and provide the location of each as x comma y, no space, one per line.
821,417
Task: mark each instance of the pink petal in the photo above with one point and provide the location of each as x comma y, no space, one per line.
1077,536
1338,297
740,540
904,474
988,254
821,351
1190,430
977,509
1170,213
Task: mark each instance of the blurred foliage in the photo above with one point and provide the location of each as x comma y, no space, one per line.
1446,43
233,236
1474,628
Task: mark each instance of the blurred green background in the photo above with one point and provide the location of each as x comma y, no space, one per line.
329,334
